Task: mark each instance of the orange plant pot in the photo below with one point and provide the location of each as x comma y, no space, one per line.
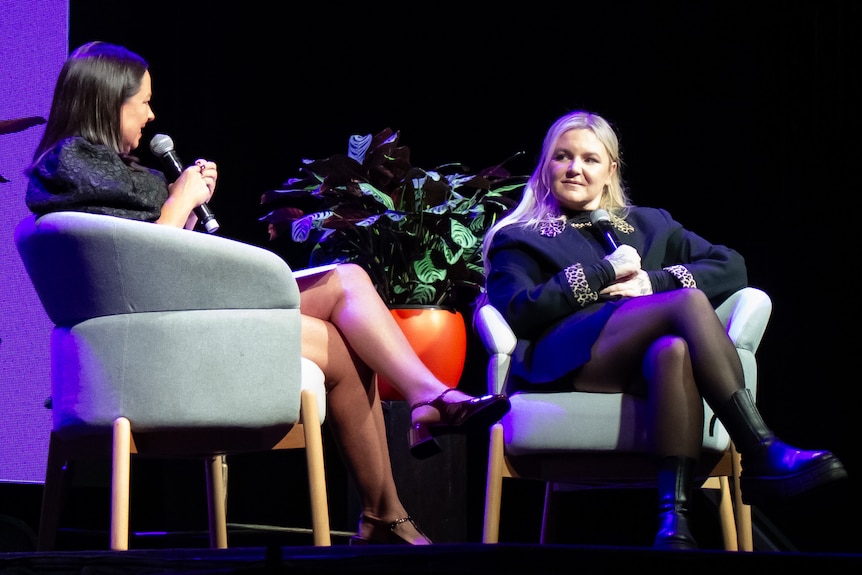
439,338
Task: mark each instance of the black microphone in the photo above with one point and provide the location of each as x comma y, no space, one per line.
605,230
163,147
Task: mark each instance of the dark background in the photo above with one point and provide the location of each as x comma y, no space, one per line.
740,118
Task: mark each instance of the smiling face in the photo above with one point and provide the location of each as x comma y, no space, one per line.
135,114
580,168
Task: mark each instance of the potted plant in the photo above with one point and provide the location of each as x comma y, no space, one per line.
418,233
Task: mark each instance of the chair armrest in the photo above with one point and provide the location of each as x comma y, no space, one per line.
746,314
499,341
494,331
136,267
304,272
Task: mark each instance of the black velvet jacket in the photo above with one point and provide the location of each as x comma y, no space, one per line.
546,281
76,175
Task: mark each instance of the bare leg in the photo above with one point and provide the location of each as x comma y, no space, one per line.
355,416
346,297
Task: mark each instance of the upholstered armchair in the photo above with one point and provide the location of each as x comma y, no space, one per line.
169,343
577,440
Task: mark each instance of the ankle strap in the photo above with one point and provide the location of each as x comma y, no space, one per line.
431,401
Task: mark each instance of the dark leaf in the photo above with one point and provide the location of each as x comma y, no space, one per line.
417,232
19,124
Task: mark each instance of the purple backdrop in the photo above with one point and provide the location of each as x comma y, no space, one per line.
33,45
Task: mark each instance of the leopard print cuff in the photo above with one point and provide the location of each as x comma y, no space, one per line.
682,274
577,280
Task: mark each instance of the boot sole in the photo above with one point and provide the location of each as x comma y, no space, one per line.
760,489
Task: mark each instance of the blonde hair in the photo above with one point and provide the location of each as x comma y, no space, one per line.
538,203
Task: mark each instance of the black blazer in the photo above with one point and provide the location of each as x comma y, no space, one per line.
546,281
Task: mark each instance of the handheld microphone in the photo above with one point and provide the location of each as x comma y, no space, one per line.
163,147
605,230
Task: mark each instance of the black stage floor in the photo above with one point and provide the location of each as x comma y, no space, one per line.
448,559
602,533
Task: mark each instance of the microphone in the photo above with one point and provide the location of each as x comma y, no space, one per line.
602,222
163,147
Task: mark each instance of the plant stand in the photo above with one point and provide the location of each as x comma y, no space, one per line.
433,490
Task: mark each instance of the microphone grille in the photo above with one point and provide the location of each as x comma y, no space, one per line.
599,215
161,144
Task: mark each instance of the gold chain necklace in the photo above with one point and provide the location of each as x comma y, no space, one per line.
616,221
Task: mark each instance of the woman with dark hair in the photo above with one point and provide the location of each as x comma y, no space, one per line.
83,163
634,314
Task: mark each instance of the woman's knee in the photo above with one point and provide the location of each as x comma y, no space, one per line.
667,350
691,300
352,274
667,364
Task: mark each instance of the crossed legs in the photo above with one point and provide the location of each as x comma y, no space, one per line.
675,343
350,333
355,417
345,298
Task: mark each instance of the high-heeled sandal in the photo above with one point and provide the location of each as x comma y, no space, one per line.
386,533
456,417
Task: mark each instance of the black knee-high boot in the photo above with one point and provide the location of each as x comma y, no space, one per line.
770,467
675,477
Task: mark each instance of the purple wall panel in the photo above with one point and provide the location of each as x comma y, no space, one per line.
33,45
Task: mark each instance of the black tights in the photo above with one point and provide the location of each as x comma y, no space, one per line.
674,342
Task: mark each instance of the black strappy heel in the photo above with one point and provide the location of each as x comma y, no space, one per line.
386,533
456,417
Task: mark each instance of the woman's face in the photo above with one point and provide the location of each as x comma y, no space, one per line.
580,168
135,114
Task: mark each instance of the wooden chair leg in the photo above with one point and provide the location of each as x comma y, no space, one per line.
742,512
726,516
744,527
493,486
310,417
216,473
120,474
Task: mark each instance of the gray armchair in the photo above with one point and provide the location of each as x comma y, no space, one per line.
169,343
577,440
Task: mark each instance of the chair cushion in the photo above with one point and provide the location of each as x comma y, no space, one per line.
566,421
572,421
139,366
313,379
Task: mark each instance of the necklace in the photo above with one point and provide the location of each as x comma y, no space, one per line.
617,222
554,224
